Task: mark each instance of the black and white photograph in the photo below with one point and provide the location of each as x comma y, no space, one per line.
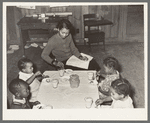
75,61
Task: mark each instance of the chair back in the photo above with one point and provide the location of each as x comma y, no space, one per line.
89,17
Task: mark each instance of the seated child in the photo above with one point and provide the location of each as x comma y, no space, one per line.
20,91
104,81
120,91
26,73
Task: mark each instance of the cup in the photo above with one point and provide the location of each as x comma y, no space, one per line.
61,72
88,102
55,83
91,76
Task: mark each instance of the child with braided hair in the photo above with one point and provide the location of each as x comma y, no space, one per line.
120,90
111,67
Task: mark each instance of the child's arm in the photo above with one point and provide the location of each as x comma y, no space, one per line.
30,80
100,76
100,101
41,77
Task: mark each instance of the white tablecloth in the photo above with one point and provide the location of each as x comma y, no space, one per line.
65,97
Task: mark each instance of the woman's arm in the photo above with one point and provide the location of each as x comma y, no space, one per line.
73,47
46,52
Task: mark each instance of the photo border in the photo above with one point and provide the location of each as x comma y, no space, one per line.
60,112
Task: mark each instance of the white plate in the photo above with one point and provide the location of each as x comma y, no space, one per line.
42,106
69,71
48,80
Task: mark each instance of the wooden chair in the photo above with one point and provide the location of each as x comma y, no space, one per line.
92,32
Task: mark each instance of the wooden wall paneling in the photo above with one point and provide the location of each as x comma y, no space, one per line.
75,19
70,9
85,10
99,12
11,25
64,9
125,9
108,15
122,22
18,16
115,17
38,9
23,12
92,9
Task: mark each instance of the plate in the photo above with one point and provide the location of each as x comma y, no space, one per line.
42,106
69,71
48,80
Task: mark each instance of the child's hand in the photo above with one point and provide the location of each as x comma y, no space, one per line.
98,102
39,77
37,73
36,103
98,73
45,76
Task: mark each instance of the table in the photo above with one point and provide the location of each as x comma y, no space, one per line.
65,97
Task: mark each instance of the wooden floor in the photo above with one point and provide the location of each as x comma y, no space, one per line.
130,56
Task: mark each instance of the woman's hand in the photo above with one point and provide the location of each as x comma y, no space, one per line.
58,64
84,58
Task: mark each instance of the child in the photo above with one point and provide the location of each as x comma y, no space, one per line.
111,66
120,91
20,91
26,73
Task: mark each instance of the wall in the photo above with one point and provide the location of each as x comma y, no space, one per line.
121,16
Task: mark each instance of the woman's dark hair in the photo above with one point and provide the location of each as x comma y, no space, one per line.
112,62
65,23
121,86
22,63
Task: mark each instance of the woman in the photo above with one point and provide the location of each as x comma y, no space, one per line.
62,47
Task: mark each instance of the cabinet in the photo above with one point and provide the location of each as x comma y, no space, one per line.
35,30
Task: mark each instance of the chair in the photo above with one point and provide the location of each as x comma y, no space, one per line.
92,30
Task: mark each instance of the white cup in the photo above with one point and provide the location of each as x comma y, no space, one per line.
61,72
91,76
55,83
88,102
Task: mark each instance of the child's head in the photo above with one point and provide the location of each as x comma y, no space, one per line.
120,88
25,65
19,88
110,64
